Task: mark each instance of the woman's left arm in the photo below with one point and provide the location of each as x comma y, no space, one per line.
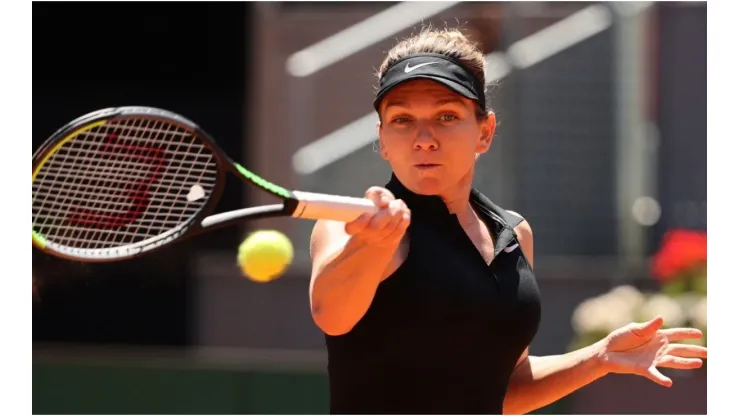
539,381
638,348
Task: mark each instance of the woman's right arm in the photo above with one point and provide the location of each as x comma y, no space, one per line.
349,261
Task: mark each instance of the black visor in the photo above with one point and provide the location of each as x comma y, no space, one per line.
440,68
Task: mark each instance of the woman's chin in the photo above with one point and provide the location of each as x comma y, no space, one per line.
427,186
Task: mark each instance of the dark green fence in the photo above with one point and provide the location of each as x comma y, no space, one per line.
89,389
95,389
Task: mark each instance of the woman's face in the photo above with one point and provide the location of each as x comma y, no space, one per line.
430,136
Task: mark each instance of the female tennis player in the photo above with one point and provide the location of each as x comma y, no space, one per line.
429,306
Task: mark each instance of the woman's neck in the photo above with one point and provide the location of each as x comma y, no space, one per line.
457,200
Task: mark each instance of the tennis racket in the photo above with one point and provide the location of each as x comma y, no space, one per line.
120,182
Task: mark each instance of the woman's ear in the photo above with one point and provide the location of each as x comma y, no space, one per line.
382,150
381,146
487,129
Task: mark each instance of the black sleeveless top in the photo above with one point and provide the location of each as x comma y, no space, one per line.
444,332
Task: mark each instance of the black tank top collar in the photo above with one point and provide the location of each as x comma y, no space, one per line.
428,205
433,208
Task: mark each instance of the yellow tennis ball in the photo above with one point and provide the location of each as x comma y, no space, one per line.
265,255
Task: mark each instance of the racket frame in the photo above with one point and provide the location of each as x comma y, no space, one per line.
190,227
295,204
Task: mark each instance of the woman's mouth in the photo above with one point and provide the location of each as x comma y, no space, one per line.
427,166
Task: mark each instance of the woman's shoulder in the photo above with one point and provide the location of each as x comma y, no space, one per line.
510,217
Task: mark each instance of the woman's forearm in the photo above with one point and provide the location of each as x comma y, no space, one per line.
539,381
345,286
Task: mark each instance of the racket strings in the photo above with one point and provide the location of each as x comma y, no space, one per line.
90,218
188,163
121,183
95,219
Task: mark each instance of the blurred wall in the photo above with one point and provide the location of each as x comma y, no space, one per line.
681,113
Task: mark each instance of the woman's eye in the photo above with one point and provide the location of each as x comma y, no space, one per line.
401,120
448,117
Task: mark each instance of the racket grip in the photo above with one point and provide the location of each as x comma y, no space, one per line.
312,206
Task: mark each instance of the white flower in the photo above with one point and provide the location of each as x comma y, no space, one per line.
665,306
629,296
688,301
619,307
585,318
698,313
607,312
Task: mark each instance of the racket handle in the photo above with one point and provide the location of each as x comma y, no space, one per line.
313,206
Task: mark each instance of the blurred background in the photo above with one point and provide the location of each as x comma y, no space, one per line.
601,145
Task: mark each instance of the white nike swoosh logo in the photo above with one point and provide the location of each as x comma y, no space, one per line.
411,68
511,248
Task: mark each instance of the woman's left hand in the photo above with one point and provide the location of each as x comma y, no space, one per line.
640,348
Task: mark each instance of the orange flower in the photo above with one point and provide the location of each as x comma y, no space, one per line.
680,251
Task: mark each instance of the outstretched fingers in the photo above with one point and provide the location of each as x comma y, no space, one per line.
680,334
679,363
686,351
657,377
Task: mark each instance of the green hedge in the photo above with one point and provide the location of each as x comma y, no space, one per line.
98,389
88,389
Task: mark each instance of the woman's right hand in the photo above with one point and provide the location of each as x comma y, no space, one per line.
386,227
